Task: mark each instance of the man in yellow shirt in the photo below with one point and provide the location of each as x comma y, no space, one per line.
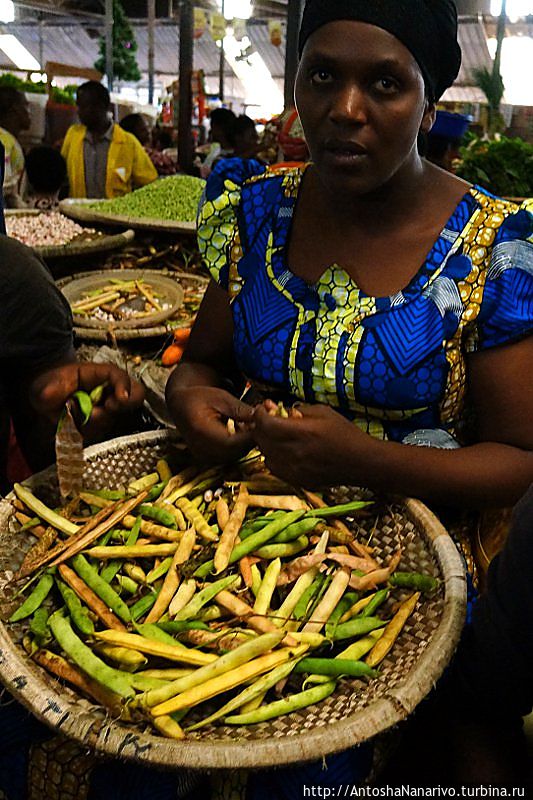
102,159
14,118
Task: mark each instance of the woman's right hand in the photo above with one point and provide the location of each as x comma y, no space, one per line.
201,414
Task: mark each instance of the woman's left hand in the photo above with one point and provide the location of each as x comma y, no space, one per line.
315,447
50,391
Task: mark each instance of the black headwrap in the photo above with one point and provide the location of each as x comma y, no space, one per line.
427,28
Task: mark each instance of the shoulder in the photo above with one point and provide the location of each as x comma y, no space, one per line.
7,139
237,174
76,131
506,217
20,267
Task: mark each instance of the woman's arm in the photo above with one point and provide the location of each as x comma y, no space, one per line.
324,448
202,392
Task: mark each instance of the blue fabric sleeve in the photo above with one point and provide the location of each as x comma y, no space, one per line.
217,220
506,313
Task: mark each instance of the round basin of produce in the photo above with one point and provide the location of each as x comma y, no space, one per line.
191,715
168,204
53,235
124,299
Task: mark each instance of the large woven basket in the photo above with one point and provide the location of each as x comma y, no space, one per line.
354,713
79,209
104,243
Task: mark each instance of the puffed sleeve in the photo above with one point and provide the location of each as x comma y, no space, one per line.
218,234
507,307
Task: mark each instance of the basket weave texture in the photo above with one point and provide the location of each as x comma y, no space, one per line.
356,711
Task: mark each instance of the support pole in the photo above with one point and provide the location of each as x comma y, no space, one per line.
151,31
109,43
294,16
185,142
221,64
41,41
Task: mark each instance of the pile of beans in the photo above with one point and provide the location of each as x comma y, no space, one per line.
45,230
184,599
174,199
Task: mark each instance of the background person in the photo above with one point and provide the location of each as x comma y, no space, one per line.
136,125
102,159
222,124
245,138
14,119
38,368
46,171
390,297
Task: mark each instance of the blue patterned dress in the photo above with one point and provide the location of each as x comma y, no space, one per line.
395,365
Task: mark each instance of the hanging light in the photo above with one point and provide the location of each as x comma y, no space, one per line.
19,55
237,9
7,11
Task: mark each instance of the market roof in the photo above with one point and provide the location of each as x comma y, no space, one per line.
77,43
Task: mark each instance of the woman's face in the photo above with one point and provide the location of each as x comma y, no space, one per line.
361,99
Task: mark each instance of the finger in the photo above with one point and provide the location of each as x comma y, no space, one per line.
241,412
92,375
270,406
117,402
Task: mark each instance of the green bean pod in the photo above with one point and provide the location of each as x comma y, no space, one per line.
157,514
96,394
415,580
378,600
85,405
301,606
127,584
203,597
34,600
285,706
109,494
254,542
155,491
159,571
152,631
271,551
357,626
84,657
177,626
335,667
142,606
39,626
347,601
78,613
104,591
296,530
256,689
338,511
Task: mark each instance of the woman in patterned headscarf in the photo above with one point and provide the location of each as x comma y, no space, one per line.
390,297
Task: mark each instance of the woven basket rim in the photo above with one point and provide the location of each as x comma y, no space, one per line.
102,244
75,208
115,739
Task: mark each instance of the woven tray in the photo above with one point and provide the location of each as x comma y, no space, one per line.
353,714
170,289
77,209
105,243
127,334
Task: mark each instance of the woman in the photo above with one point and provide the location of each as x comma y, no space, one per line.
370,284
